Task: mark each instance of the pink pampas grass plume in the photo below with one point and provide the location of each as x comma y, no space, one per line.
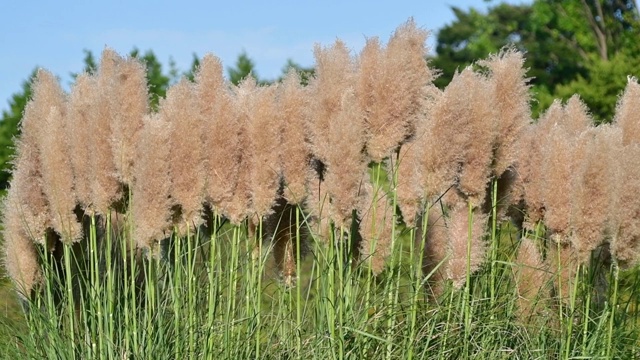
151,208
433,240
57,176
391,87
104,185
467,248
129,104
221,133
628,112
80,107
263,126
185,155
346,165
478,113
27,185
625,242
532,278
510,92
376,228
295,152
19,255
595,192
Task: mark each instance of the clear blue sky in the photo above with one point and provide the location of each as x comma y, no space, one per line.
53,34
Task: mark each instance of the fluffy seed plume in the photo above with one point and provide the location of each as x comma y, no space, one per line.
185,155
443,141
531,277
80,107
594,193
104,185
151,208
129,105
467,248
258,104
221,131
531,160
560,172
433,240
391,86
628,113
28,184
577,118
19,255
408,189
510,92
295,153
334,76
346,165
57,176
478,123
625,245
376,228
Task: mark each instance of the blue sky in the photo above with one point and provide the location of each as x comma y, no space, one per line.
53,34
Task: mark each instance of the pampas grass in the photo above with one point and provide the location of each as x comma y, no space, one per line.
134,236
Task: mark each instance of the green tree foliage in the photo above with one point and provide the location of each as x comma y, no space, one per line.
9,128
243,67
569,44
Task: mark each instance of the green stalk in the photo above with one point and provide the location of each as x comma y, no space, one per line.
70,308
467,286
176,295
213,284
614,305
298,287
495,243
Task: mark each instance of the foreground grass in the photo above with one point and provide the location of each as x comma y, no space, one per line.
215,297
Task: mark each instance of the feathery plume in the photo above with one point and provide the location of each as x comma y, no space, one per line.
408,189
345,163
105,186
391,87
57,176
334,76
594,193
625,244
185,155
466,244
129,104
577,118
531,160
221,131
510,93
295,153
376,227
443,141
561,177
435,254
28,183
531,277
628,113
151,208
238,207
479,125
19,255
263,128
80,107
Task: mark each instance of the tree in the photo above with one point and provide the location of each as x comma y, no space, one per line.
244,67
565,41
9,128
